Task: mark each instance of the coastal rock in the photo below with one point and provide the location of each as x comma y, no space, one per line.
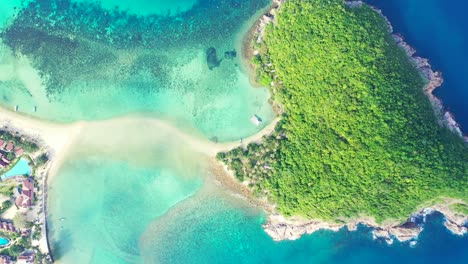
353,4
455,222
280,228
456,229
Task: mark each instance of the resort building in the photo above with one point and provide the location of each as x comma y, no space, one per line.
5,259
2,144
4,158
3,163
10,146
25,258
26,196
18,152
7,226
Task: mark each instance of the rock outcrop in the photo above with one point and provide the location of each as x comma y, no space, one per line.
281,228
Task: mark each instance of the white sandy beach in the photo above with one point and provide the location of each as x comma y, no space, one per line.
57,137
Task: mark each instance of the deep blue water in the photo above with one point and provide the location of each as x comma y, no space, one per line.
438,30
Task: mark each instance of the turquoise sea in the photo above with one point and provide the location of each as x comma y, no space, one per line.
85,61
136,191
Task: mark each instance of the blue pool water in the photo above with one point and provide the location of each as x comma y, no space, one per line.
438,30
4,241
21,168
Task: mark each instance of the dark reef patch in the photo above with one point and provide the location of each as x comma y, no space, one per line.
71,42
230,55
212,58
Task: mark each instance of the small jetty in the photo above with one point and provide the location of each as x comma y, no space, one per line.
16,108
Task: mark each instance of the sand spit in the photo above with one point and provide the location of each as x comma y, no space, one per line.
137,133
57,138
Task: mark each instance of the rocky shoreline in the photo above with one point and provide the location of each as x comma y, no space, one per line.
281,228
434,78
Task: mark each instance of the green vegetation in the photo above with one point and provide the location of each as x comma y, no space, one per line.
13,251
10,156
358,135
42,159
460,208
18,141
5,206
7,189
20,221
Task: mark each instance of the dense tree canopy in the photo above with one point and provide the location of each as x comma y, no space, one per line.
358,135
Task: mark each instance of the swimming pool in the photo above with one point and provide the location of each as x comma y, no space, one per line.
21,168
4,241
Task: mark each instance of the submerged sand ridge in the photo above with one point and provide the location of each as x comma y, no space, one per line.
133,138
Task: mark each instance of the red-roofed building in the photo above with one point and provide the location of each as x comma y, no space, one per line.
10,146
4,160
26,257
5,226
19,201
2,143
5,259
27,194
18,152
3,164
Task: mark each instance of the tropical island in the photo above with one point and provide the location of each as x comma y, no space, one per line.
358,140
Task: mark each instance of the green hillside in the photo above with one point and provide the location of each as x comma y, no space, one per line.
358,135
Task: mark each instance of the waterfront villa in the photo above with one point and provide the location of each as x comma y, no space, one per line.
7,226
3,164
4,259
26,196
26,257
9,147
18,152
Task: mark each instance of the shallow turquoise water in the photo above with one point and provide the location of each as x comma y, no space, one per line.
83,61
148,7
99,208
21,168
